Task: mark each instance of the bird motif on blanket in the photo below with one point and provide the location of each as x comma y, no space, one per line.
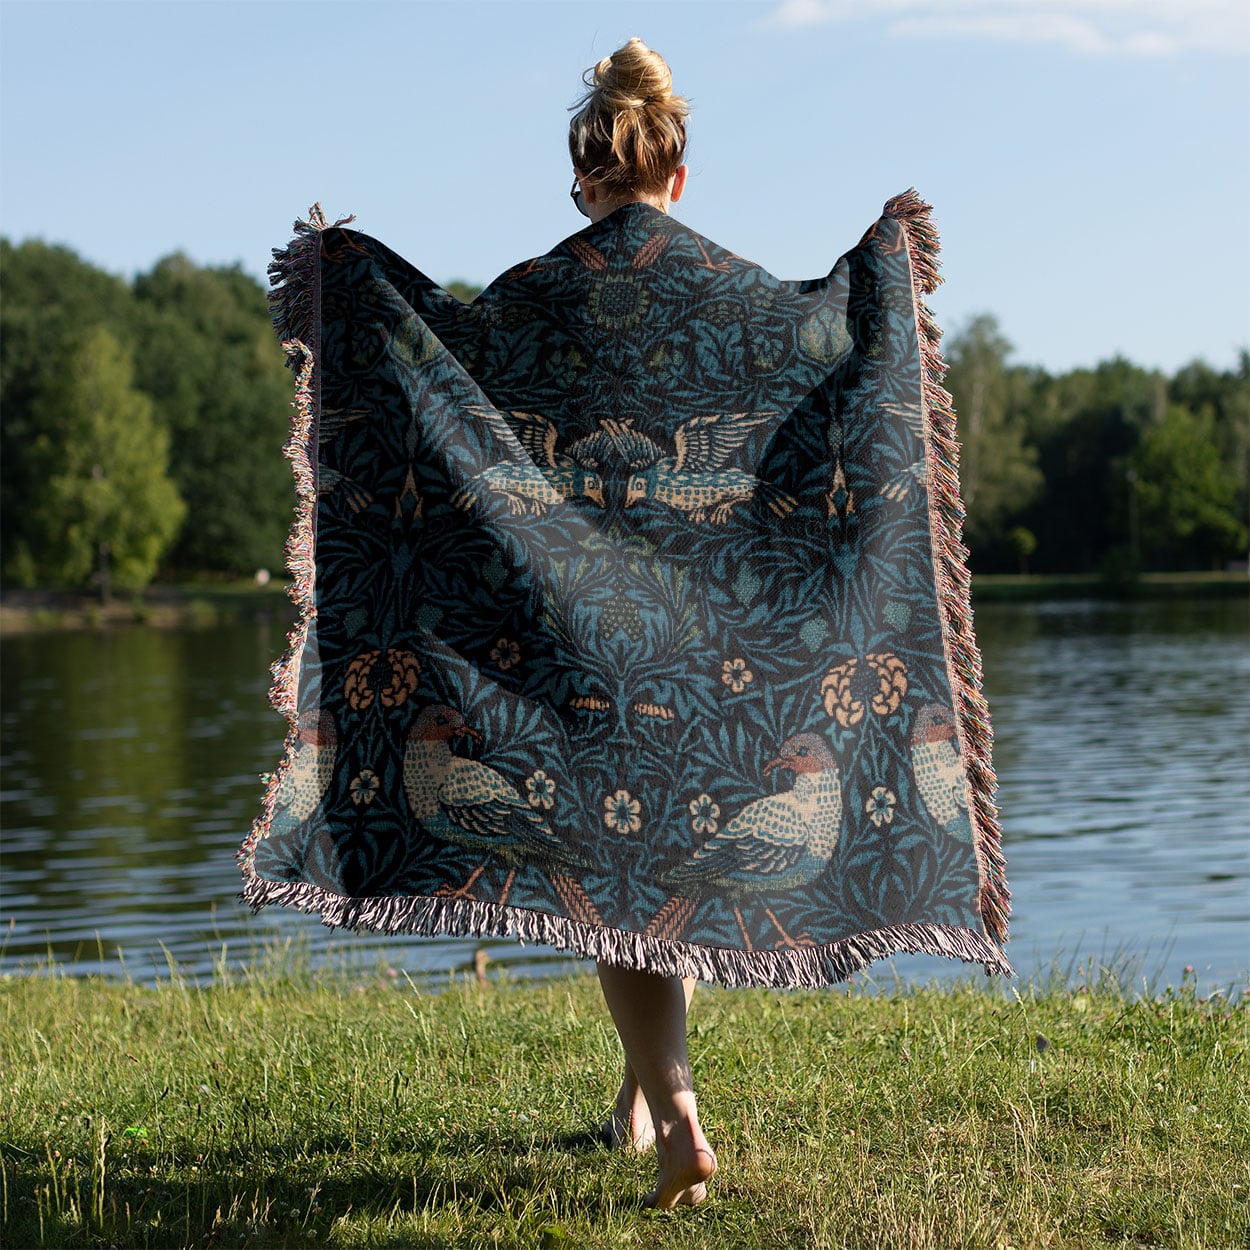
778,843
900,486
306,781
331,422
909,413
543,477
939,771
527,489
470,804
694,479
616,442
330,481
915,474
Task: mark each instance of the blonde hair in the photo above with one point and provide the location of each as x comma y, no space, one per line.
629,131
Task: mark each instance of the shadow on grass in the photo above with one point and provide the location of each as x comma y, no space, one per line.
276,1196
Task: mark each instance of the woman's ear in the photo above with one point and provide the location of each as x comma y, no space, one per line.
590,188
678,185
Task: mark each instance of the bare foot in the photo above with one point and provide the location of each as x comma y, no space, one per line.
629,1126
686,1165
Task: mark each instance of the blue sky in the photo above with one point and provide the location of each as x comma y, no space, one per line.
1089,160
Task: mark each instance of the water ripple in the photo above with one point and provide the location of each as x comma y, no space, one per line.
131,762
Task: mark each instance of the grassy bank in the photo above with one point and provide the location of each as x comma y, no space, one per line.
215,603
1011,587
279,1109
165,606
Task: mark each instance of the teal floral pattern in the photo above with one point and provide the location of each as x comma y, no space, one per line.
625,606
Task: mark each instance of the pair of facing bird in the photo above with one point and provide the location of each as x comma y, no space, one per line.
695,479
778,842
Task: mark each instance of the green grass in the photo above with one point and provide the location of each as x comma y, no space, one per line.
282,1108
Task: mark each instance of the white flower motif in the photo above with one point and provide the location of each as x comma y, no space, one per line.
540,789
703,814
620,812
880,807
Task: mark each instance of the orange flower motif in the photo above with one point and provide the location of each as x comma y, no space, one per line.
506,653
405,670
364,682
365,785
846,688
358,689
736,675
840,700
891,674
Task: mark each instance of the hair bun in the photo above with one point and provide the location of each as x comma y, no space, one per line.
629,129
633,77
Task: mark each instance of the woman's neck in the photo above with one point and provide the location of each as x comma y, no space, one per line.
603,208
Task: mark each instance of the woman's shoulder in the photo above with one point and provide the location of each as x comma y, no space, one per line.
638,244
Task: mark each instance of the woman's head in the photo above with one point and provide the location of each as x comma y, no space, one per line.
629,131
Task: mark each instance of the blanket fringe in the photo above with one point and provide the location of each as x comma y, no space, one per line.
295,305
295,278
951,562
789,967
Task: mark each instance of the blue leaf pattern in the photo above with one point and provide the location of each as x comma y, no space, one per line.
528,518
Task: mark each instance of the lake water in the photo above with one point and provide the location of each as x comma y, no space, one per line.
130,774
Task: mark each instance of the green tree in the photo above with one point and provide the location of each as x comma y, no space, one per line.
1223,399
997,467
51,297
1024,543
208,357
465,292
105,508
1186,494
1085,424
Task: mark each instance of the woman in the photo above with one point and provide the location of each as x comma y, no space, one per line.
635,618
628,143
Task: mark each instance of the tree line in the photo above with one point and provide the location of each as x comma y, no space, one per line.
142,422
1114,470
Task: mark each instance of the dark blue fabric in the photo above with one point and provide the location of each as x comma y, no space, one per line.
625,603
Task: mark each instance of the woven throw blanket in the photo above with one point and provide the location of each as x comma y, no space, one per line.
635,619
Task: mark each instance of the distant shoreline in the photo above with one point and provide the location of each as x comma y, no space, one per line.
201,605
172,606
1029,587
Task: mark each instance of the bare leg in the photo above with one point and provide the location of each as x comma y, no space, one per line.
649,1012
629,1126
